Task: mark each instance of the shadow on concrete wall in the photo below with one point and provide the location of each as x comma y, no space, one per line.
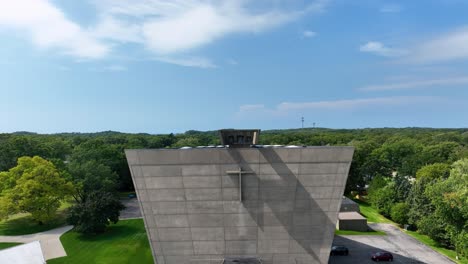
297,229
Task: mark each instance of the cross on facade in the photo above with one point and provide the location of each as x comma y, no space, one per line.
240,172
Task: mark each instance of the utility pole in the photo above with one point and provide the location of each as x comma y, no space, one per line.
302,119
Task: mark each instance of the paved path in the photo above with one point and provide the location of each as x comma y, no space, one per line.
132,209
50,241
404,248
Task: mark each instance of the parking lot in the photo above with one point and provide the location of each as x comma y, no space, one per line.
404,248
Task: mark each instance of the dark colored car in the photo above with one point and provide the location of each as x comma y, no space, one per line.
339,250
385,256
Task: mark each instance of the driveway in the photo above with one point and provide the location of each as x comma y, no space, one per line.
132,209
404,248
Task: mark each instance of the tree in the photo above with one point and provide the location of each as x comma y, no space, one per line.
418,201
34,186
450,199
187,142
383,200
381,194
399,213
94,213
434,171
402,187
97,202
111,155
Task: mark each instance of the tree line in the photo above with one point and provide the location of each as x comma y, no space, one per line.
415,176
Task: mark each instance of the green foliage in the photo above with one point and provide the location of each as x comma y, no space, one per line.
433,171
401,187
93,214
419,201
377,183
34,186
450,200
97,202
399,213
124,242
383,199
435,227
110,155
187,142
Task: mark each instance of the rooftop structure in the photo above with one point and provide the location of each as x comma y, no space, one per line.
30,253
239,137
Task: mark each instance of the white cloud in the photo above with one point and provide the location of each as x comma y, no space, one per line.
347,104
445,47
49,28
390,8
380,49
118,30
204,24
416,84
309,34
169,29
197,62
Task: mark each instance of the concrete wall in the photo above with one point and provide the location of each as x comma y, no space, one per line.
353,225
288,213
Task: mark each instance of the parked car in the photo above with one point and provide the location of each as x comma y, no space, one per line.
339,250
385,256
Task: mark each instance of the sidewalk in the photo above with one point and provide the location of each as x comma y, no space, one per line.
50,241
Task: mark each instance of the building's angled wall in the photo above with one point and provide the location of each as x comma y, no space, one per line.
192,211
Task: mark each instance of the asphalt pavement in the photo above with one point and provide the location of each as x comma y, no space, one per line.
404,248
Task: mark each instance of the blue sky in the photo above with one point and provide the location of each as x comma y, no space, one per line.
159,66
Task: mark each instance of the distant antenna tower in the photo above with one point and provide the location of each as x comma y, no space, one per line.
313,125
302,119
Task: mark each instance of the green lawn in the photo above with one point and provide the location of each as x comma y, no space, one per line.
371,214
435,246
352,233
22,224
8,245
124,242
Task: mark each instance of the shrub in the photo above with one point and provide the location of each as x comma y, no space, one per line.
399,213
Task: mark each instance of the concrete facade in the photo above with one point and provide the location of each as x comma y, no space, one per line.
283,209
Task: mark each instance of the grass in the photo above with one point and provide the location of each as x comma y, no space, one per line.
23,224
8,245
359,233
435,246
124,242
371,213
